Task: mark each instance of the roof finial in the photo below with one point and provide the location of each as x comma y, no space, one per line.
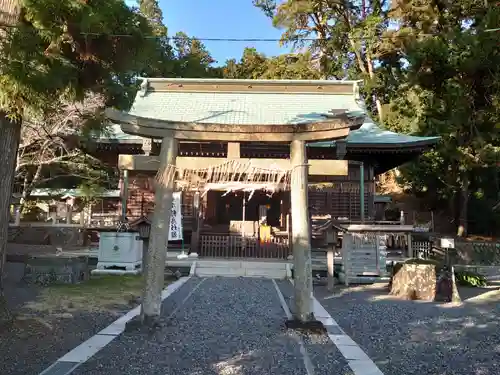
144,86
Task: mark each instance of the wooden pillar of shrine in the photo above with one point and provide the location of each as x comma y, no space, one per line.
301,241
195,234
154,266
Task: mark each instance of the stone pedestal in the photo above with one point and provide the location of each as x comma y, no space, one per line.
51,269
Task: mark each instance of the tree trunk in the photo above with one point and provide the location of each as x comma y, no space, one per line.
28,185
378,103
10,133
464,205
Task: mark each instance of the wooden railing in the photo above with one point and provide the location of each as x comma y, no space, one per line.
236,246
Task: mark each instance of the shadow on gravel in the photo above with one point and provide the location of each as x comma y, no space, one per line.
413,337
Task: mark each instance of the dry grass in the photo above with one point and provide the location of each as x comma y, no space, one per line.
102,293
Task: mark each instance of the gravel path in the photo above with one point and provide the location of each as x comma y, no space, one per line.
40,339
407,337
225,326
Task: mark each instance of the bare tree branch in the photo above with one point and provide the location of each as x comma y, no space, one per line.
53,145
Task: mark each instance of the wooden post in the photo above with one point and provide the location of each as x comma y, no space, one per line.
331,240
124,193
69,213
410,245
301,241
82,217
362,191
233,150
195,234
17,219
154,269
330,260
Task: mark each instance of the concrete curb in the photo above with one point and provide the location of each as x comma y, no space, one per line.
192,270
358,360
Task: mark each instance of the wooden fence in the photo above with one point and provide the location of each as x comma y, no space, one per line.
236,246
479,253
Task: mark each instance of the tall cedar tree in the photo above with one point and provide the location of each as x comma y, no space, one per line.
451,87
61,49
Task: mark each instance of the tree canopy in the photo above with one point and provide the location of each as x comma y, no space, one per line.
55,52
255,65
430,68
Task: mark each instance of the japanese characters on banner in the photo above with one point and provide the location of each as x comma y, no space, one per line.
175,232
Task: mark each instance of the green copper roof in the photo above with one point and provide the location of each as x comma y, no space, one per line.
114,134
255,108
233,108
371,134
53,192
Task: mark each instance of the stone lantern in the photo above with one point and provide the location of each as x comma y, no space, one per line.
142,226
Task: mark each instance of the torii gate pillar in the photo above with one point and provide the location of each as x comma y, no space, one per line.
156,256
301,241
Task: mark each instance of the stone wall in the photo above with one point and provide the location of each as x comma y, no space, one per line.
48,235
477,253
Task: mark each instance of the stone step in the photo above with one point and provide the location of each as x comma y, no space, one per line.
242,269
240,264
241,272
220,271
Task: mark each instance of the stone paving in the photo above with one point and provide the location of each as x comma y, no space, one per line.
218,326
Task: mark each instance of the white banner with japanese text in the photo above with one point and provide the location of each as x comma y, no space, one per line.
175,232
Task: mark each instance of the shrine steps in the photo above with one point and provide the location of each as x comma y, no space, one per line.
242,268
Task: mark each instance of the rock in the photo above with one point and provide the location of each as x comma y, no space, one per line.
446,287
177,274
424,282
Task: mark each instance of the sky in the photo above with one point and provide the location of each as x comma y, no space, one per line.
237,19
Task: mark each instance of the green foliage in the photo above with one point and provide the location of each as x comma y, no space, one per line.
64,64
51,53
346,36
180,56
451,88
434,72
191,59
471,279
255,65
151,10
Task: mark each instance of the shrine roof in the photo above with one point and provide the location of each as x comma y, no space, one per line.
242,102
265,102
371,134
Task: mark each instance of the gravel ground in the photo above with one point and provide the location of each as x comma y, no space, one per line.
38,339
409,337
324,355
226,326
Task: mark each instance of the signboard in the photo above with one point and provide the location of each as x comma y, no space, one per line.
175,232
447,243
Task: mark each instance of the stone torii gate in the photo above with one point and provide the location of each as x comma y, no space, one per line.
222,110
